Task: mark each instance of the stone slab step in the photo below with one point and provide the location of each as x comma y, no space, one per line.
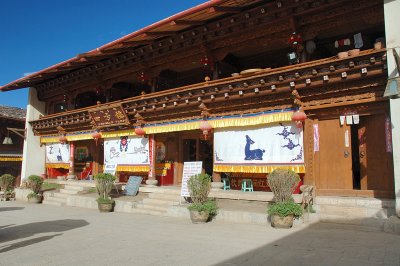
169,197
159,202
55,199
161,190
53,203
72,192
58,195
152,207
354,212
74,187
149,212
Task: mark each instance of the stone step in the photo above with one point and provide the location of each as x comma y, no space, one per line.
354,212
55,199
57,195
159,202
356,202
161,190
124,206
53,203
75,187
169,197
148,212
152,207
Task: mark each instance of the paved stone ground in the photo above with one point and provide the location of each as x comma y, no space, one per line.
47,235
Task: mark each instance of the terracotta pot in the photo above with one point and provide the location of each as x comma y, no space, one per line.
105,207
281,222
35,199
199,217
354,52
342,55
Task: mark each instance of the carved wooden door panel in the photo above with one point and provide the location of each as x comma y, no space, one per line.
335,158
376,163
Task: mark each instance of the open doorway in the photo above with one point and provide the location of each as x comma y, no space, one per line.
196,149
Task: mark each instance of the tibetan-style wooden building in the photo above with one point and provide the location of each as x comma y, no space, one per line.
12,124
243,86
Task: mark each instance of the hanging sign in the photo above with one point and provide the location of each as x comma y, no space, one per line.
316,137
109,116
110,168
127,150
189,169
356,119
346,139
57,153
388,134
349,119
276,144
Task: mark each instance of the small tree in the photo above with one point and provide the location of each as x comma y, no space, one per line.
7,182
104,183
35,183
199,187
283,182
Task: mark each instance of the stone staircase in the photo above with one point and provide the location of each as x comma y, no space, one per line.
155,202
354,210
59,198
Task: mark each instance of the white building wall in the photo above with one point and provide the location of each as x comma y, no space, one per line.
392,23
33,162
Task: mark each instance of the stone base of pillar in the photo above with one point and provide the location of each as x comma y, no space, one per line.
217,185
392,225
151,182
71,177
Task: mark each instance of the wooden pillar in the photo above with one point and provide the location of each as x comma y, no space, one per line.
152,181
71,172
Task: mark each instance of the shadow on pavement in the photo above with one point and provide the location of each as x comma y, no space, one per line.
27,243
323,244
6,209
27,230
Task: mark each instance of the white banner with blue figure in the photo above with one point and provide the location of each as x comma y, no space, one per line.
57,153
127,150
278,144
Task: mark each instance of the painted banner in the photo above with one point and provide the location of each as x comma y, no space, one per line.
127,150
57,153
276,144
316,137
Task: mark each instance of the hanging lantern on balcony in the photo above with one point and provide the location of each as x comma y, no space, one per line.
62,139
143,77
96,136
140,131
299,117
295,39
205,127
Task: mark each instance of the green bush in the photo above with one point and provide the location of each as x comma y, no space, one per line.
104,183
35,183
282,183
7,182
199,187
286,208
209,206
105,200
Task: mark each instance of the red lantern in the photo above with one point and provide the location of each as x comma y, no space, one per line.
205,127
143,77
139,131
299,117
295,39
62,139
96,136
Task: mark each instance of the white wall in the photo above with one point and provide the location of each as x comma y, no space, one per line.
33,162
392,22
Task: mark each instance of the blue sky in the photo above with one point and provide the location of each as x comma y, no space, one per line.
37,34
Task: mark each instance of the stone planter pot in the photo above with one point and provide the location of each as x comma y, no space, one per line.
35,199
106,207
199,217
281,222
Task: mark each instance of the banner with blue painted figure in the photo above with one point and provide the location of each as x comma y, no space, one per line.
268,145
127,150
57,153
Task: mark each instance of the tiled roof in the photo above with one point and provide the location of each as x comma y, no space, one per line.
12,112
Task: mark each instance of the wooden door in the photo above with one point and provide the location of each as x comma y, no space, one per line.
334,156
376,163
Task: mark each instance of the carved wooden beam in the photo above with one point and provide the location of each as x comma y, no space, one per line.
187,22
224,9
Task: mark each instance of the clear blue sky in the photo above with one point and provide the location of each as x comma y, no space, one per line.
37,34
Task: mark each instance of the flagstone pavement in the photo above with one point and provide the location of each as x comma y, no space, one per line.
47,235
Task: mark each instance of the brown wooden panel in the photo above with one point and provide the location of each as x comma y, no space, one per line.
335,169
376,165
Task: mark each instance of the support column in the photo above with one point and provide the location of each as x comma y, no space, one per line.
34,154
71,172
392,9
152,181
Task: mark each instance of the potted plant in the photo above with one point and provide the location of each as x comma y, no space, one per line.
104,183
6,185
35,184
282,183
202,208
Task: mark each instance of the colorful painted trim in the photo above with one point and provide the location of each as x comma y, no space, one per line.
10,159
215,122
57,165
257,168
133,168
